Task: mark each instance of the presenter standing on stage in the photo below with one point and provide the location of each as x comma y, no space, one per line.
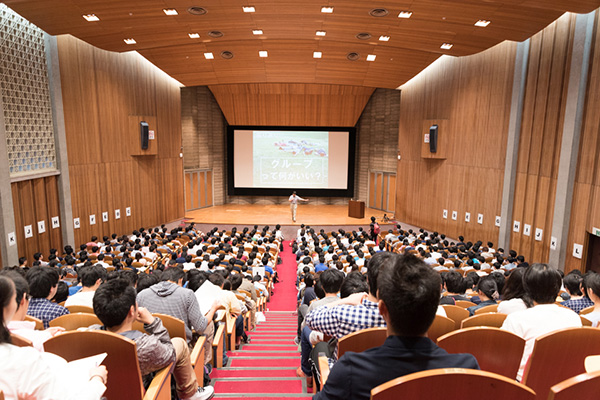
294,199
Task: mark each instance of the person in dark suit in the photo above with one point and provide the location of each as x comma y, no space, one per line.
408,292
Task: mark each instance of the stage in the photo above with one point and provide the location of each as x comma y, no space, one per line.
328,217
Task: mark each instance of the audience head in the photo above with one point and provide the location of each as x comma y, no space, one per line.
353,283
113,301
42,281
542,283
514,289
374,265
409,293
573,282
9,306
488,288
331,280
455,283
173,274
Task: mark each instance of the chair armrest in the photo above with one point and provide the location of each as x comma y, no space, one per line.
217,346
197,359
160,387
324,369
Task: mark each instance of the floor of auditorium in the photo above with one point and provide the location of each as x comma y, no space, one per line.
265,368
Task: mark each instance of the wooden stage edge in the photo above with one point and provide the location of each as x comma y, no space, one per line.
259,214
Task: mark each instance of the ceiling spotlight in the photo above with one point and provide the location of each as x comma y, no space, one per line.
327,10
194,35
405,14
446,46
371,57
209,56
317,54
263,54
91,17
170,11
248,9
320,33
482,23
130,41
257,32
384,38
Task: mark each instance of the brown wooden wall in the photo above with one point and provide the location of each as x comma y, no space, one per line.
101,91
585,212
468,98
33,201
291,104
540,140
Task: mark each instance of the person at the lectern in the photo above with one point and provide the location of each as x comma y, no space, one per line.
294,199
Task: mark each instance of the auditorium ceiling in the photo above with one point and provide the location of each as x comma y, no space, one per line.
400,37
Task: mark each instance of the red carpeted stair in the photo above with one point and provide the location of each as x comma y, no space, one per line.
266,367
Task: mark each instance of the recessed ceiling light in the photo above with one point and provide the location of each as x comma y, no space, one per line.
91,17
446,46
384,38
194,35
257,32
327,10
482,23
371,57
209,56
320,33
248,9
263,53
130,41
170,11
379,12
195,10
317,54
405,14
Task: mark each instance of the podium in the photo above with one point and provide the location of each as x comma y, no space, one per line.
356,209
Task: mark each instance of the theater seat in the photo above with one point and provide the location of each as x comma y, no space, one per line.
583,386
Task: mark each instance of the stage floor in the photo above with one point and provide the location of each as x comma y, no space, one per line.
259,214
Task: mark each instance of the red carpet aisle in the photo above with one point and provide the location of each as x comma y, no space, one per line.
266,367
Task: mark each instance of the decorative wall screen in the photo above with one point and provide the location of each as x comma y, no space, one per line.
25,96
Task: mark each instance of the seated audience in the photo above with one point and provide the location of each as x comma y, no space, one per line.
116,307
26,373
91,278
573,283
487,290
592,283
514,296
409,293
542,285
43,283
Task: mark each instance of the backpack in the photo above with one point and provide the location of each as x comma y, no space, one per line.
376,228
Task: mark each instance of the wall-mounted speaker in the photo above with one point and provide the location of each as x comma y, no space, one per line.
433,138
144,134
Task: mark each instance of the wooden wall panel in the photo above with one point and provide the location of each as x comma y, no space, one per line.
101,91
541,133
36,200
471,96
585,212
291,104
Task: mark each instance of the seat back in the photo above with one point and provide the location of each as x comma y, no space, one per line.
72,322
441,326
20,340
362,340
175,326
487,309
456,314
496,350
560,355
39,324
76,309
465,303
487,319
454,383
583,386
125,381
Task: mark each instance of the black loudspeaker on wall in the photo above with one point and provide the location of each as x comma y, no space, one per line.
433,138
144,135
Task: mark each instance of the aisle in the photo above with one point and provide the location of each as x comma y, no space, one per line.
266,367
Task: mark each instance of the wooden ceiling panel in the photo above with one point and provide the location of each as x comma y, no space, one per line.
289,34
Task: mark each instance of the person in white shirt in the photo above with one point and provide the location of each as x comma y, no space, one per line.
91,278
514,297
294,199
592,283
542,284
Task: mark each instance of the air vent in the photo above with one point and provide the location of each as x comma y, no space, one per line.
379,12
227,55
215,34
195,10
363,36
353,56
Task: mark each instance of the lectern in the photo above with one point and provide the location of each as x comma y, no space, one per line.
356,209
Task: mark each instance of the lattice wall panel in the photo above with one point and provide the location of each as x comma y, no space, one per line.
26,97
